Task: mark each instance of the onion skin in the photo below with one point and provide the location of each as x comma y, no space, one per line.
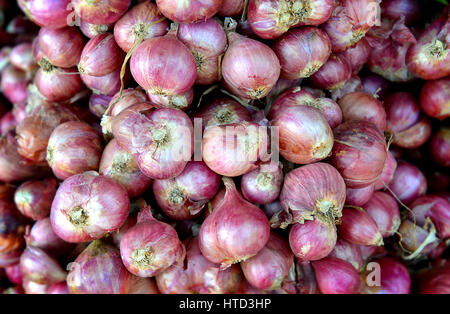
116,163
434,207
100,11
182,102
375,85
231,8
359,197
348,252
315,190
81,210
267,269
184,196
336,276
250,69
160,139
394,9
106,85
435,98
137,22
352,85
99,270
333,74
262,185
190,11
408,182
56,85
312,240
387,175
21,57
435,280
98,104
440,146
304,134
144,286
358,144
14,274
363,106
14,84
383,208
358,227
49,13
302,52
74,147
395,278
357,55
91,30
39,267
235,231
198,275
31,287
417,239
150,247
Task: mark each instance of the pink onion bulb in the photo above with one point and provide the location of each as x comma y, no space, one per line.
47,13
14,84
91,30
108,84
58,288
21,57
359,197
56,85
434,207
235,231
14,274
231,8
333,74
383,208
358,55
408,183
184,196
358,227
98,104
182,101
440,146
336,276
190,11
263,184
302,51
222,111
87,206
435,98
100,11
348,252
116,163
387,175
151,246
395,278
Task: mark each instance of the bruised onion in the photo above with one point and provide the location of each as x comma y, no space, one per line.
38,266
387,175
190,11
435,98
100,12
348,252
333,74
359,197
434,207
262,185
49,13
21,57
14,84
151,246
87,206
408,182
184,196
57,84
222,111
235,231
440,146
336,276
383,208
394,277
358,227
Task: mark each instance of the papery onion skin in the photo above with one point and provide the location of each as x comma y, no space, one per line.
184,196
98,104
408,183
101,12
333,74
358,227
198,275
57,85
74,147
190,11
91,30
118,164
262,185
14,84
49,13
99,269
440,146
267,269
383,208
182,102
302,51
14,274
235,231
358,55
434,207
81,210
435,98
312,240
348,252
359,197
394,276
357,145
138,23
387,175
336,276
352,85
150,247
21,57
106,85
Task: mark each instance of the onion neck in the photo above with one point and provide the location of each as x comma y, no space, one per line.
46,65
78,216
161,136
223,116
142,258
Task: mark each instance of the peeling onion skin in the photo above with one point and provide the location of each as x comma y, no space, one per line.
387,175
348,252
267,269
49,13
434,207
383,208
101,11
235,231
151,246
440,146
394,275
413,237
262,185
359,197
333,74
408,183
198,275
336,276
358,227
185,196
312,240
182,101
435,98
81,210
190,11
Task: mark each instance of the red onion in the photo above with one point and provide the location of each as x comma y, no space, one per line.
234,149
429,59
383,208
263,184
100,12
336,276
14,84
363,106
350,21
91,30
358,227
231,8
417,240
408,182
144,286
58,288
101,56
435,98
394,277
31,287
34,198
98,104
435,280
182,102
198,275
358,55
315,190
55,84
74,147
333,74
235,231
269,19
163,66
304,134
106,85
302,51
14,274
280,87
440,146
82,211
394,9
38,266
312,240
184,196
348,252
190,11
7,123
21,57
60,47
359,153
121,166
117,235
267,269
434,207
99,270
359,197
387,175
250,68
151,246
222,111
48,13
352,85
375,85
160,139
207,42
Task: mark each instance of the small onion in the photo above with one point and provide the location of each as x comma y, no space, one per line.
333,74
358,227
231,7
14,84
375,85
435,98
434,207
262,185
408,182
336,276
57,84
190,11
49,13
440,146
101,12
394,277
387,175
21,57
106,85
358,55
383,208
348,252
359,197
